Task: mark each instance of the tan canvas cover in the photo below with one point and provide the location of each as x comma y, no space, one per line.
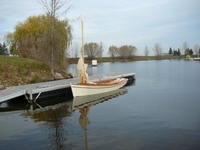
81,67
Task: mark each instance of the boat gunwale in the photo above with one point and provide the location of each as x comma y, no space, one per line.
100,85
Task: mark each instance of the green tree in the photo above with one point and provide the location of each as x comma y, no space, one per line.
170,51
3,49
93,50
191,52
30,39
179,52
175,52
113,51
188,56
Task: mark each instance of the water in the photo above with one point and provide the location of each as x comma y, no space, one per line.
161,110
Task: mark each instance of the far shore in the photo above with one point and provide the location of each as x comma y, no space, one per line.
119,59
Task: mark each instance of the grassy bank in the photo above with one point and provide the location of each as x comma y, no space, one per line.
19,71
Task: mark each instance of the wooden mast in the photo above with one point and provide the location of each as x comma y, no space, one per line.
82,40
81,66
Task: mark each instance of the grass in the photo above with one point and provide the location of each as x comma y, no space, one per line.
22,63
18,71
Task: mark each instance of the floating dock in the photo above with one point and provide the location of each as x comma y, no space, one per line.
33,91
197,59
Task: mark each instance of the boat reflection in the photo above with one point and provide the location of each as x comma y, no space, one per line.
83,121
82,101
83,104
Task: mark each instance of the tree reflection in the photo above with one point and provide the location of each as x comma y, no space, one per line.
54,120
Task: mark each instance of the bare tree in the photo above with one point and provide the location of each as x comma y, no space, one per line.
123,51
185,48
93,50
196,49
131,51
113,51
158,50
146,51
75,47
53,9
127,51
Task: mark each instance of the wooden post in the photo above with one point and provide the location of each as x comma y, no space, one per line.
30,96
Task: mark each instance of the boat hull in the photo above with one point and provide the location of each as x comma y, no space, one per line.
84,90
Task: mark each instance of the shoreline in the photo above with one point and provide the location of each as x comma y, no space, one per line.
16,71
118,59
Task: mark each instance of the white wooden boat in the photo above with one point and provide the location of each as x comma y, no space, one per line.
103,86
85,87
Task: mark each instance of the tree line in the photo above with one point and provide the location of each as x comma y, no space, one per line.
184,50
93,50
124,51
174,52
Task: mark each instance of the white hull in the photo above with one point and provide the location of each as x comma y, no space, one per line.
84,90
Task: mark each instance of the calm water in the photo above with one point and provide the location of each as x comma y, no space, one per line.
160,111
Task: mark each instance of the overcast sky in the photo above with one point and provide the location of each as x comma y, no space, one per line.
115,22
